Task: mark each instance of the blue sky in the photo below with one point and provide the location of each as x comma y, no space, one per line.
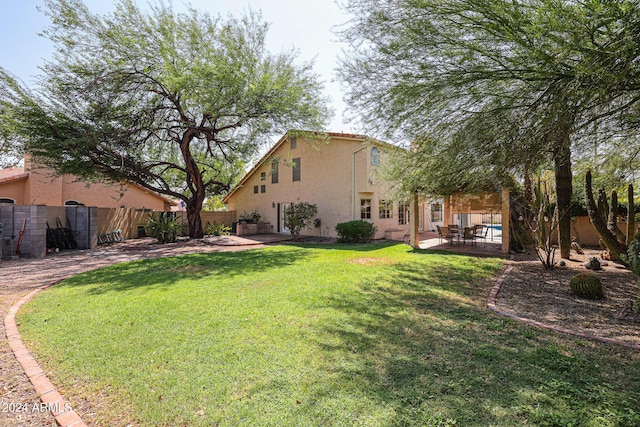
302,24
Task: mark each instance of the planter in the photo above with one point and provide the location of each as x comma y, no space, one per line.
245,229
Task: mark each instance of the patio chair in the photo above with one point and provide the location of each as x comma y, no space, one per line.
477,231
439,232
449,235
469,235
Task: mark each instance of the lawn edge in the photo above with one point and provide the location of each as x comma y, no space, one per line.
47,392
492,306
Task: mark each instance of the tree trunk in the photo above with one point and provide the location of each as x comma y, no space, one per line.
196,186
564,191
194,220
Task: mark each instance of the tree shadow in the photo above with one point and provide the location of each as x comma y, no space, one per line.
428,348
166,271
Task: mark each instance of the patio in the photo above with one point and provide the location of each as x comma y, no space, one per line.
491,246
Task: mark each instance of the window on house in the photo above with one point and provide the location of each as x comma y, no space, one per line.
436,212
263,188
255,189
274,172
385,209
294,142
296,169
403,214
365,208
375,156
263,176
7,201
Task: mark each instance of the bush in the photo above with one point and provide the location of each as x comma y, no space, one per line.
250,218
164,227
358,231
216,229
586,285
298,216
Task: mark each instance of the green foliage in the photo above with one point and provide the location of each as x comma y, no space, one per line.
214,203
357,231
298,216
496,88
586,285
164,226
216,229
177,102
543,225
250,218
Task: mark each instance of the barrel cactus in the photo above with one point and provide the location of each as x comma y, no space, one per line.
586,285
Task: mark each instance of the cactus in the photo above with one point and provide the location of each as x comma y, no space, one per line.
604,218
586,285
632,258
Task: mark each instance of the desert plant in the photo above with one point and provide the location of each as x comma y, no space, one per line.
632,258
164,227
604,217
357,231
575,245
216,229
594,264
543,226
586,285
298,216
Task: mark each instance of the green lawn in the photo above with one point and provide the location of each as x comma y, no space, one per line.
369,335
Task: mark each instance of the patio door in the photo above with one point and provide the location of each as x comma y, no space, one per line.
281,228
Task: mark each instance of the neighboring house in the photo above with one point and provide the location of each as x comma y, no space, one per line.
30,185
338,175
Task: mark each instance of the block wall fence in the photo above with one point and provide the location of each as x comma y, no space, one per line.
86,223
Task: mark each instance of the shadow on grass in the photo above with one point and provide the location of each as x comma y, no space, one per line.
417,340
166,271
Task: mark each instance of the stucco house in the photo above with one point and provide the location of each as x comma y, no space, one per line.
30,185
338,174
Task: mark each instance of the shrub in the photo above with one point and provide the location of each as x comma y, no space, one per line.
358,231
164,227
216,229
586,285
298,216
250,218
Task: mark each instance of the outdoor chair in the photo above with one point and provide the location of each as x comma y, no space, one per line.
469,234
477,231
448,235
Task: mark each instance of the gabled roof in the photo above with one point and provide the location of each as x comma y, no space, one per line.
282,140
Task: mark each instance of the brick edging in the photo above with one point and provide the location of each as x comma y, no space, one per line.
49,395
491,304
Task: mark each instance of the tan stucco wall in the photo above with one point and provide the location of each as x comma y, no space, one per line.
42,188
326,180
14,190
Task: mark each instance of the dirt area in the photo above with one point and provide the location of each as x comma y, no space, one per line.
532,292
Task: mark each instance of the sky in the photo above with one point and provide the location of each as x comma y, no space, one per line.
305,25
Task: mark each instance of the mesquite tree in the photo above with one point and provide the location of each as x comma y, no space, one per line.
176,102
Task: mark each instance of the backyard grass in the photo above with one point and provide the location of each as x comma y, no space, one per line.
368,335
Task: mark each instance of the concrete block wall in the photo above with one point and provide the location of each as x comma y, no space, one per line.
83,221
33,242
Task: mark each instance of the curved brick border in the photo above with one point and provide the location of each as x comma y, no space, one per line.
491,304
58,405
